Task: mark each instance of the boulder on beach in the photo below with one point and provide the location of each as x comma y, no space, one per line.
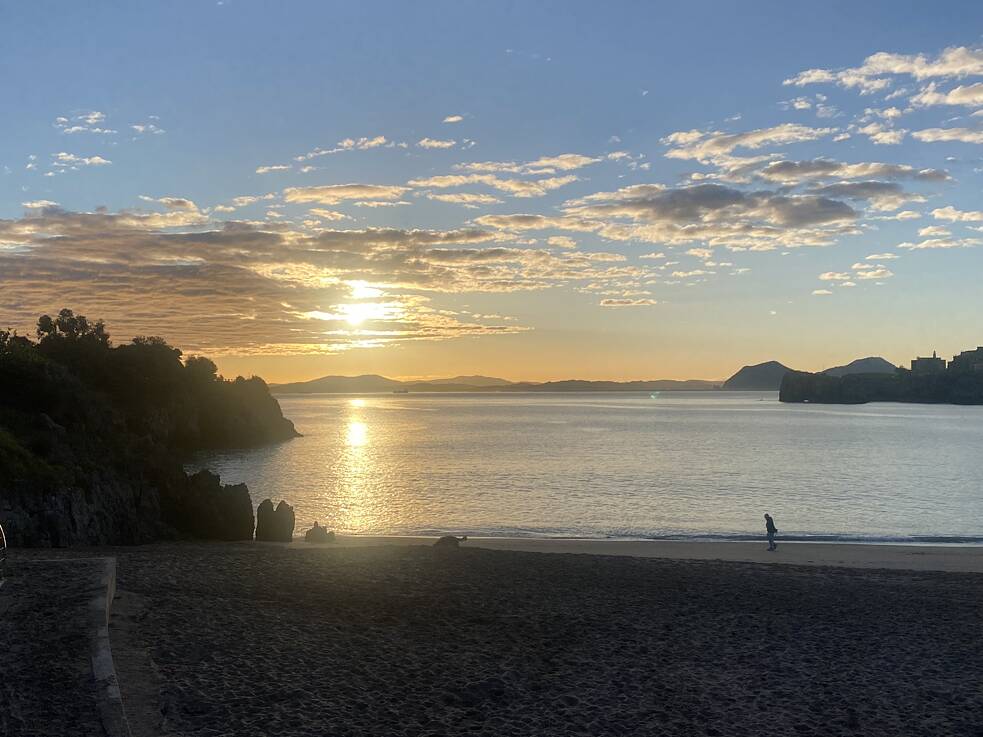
449,542
274,525
318,534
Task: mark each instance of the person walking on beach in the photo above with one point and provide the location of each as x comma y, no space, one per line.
771,530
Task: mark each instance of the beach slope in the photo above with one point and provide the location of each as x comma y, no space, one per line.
402,640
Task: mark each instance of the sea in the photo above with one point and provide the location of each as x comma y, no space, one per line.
665,465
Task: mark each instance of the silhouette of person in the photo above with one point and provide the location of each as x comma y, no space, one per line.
771,530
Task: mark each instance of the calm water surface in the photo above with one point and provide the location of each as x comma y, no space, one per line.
684,464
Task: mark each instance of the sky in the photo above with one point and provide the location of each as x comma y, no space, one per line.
537,191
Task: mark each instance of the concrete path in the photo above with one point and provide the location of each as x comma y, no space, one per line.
56,674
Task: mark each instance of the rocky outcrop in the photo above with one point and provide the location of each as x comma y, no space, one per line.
210,510
903,386
318,534
92,439
275,525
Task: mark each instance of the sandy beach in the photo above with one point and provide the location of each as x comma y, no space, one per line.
953,558
369,639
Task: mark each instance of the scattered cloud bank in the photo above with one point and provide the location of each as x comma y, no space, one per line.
276,278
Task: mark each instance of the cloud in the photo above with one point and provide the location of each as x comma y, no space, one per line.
63,159
245,200
881,195
883,135
83,123
172,203
453,118
274,167
561,241
821,292
466,199
363,143
515,187
542,165
835,276
142,128
934,231
962,216
869,272
329,215
708,146
39,204
882,257
332,194
795,172
934,135
967,95
435,143
717,205
709,213
938,243
903,215
628,302
875,72
252,288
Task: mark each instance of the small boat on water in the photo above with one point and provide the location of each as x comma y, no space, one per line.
401,391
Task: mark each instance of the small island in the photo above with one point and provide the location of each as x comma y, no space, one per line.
929,380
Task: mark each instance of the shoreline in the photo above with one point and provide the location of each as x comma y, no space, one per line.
960,558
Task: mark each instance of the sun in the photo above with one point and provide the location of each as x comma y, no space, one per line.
358,313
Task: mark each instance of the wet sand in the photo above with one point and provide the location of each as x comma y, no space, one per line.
954,558
400,640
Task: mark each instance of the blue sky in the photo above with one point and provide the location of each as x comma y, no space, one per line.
534,190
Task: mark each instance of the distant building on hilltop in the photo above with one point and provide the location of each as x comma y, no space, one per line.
924,365
968,361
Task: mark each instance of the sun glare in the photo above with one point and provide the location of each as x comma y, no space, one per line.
358,434
362,290
356,314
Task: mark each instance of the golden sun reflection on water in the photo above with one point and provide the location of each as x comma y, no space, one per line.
358,434
356,467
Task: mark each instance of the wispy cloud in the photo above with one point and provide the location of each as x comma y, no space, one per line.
874,75
272,168
332,194
515,187
435,143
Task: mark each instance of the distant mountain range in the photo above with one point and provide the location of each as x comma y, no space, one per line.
372,383
760,377
768,376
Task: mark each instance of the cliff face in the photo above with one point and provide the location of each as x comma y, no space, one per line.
92,438
943,388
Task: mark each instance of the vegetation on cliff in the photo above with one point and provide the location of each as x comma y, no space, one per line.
92,437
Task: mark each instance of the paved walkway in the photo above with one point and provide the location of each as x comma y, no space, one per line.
56,668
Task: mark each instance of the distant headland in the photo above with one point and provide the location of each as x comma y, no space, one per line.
929,380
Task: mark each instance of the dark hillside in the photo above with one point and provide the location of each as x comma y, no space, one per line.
92,438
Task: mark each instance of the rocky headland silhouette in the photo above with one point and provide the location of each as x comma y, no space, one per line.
93,437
